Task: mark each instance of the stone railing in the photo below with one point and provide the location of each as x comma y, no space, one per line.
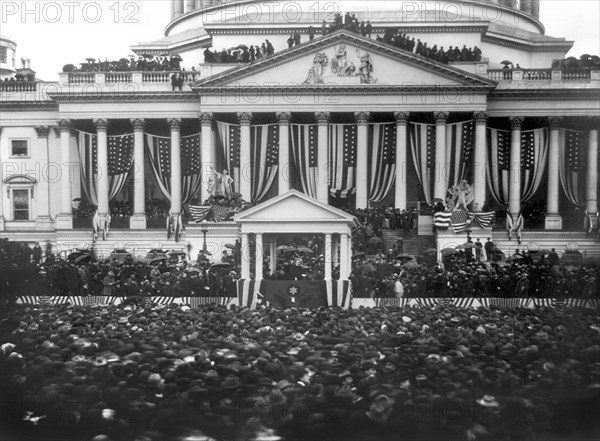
162,77
18,86
543,74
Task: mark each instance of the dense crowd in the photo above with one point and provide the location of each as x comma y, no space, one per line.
143,63
174,373
240,53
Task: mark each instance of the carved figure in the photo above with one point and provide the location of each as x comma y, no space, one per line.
366,68
315,74
461,195
340,65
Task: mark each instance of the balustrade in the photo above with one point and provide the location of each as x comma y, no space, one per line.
118,77
18,86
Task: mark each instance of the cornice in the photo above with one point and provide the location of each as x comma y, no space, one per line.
164,96
330,90
545,94
234,29
29,105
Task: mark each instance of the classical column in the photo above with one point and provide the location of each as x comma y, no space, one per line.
322,145
327,256
480,160
592,171
440,188
245,184
138,220
190,5
177,8
245,255
284,151
344,260
514,186
103,180
209,154
401,146
175,126
43,221
553,220
65,219
273,256
362,134
258,248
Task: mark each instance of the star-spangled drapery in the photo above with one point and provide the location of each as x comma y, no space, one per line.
120,162
159,151
382,160
459,151
422,144
264,156
341,159
230,141
498,165
534,159
304,152
572,163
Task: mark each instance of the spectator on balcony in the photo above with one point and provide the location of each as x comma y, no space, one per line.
297,38
269,49
290,41
311,32
368,28
177,82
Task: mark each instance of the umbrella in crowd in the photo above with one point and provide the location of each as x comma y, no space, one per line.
506,62
403,258
359,254
305,250
230,246
193,269
366,268
448,251
410,265
222,265
465,246
158,259
86,258
430,251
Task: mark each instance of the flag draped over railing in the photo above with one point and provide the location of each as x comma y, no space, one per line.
498,165
341,159
304,151
159,151
422,144
572,163
120,162
382,160
460,220
264,157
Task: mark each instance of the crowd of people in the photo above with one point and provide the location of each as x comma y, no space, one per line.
143,63
239,54
442,373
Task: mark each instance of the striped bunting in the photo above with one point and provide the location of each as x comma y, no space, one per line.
382,160
442,219
305,153
342,160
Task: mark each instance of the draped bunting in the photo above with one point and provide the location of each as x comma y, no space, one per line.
422,144
382,160
304,151
459,151
341,159
264,156
572,160
534,159
120,162
229,138
159,150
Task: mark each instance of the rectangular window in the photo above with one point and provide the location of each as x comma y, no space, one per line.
19,147
21,205
3,54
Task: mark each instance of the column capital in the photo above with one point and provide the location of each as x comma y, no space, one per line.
284,118
362,118
101,125
64,125
138,124
206,119
516,122
554,122
441,117
480,117
174,124
245,118
56,130
42,131
322,118
401,118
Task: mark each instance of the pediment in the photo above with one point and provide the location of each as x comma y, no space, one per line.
296,207
344,59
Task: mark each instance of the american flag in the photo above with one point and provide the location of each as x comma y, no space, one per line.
304,151
461,219
498,165
342,159
159,153
120,161
264,156
382,160
87,147
534,154
573,147
459,150
230,139
191,167
422,145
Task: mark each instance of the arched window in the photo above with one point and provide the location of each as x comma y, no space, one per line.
20,194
